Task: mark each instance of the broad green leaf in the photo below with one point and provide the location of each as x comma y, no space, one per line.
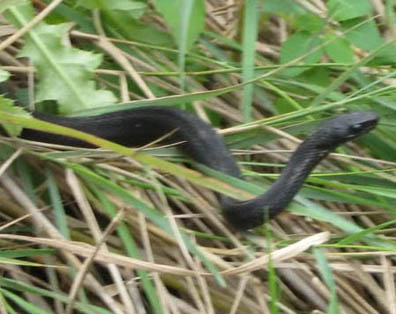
319,76
122,22
298,45
5,4
51,36
283,6
365,34
185,19
350,72
338,49
131,29
126,5
133,8
310,22
341,10
20,10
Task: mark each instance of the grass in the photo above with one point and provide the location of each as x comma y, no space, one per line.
120,230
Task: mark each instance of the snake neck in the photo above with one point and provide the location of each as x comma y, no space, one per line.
252,213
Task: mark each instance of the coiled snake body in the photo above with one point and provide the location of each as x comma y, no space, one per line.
139,126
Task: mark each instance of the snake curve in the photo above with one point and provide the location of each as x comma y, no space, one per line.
139,126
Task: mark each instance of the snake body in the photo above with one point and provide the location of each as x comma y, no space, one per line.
139,126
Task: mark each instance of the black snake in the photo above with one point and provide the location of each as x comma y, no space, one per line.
139,126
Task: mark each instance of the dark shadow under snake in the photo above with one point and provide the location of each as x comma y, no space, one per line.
139,126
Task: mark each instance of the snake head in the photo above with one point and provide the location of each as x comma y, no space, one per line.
345,127
360,122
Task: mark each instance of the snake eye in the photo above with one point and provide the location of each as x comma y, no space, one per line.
356,127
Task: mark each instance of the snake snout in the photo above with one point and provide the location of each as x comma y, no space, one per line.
354,124
365,121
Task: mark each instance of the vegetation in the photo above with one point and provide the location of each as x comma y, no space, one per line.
117,230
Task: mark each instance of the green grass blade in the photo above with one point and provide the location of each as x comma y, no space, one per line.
251,14
328,278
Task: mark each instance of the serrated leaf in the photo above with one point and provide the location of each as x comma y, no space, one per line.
338,49
4,75
341,10
7,105
65,73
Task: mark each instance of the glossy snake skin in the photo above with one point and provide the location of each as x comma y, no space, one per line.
139,126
